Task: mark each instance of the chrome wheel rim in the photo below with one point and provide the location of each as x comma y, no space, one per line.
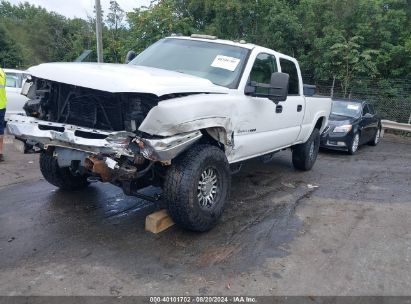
207,189
377,136
355,143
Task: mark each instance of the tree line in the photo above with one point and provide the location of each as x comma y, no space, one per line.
342,40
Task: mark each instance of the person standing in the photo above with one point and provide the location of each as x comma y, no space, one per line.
3,103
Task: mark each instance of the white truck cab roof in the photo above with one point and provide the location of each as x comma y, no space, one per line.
241,43
213,39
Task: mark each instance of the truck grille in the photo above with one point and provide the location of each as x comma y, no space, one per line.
93,112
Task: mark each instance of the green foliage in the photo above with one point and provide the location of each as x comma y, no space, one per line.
10,53
360,44
81,35
159,20
349,62
41,36
115,33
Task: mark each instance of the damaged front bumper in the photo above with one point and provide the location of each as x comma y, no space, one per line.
97,141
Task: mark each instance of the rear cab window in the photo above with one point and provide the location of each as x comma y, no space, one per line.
290,68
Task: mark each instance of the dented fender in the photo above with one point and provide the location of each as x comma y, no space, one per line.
165,149
189,114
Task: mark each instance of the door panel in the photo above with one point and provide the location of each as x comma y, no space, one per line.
295,103
364,130
251,145
366,124
279,124
264,126
261,132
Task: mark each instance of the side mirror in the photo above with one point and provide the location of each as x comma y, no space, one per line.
367,115
276,91
279,86
130,56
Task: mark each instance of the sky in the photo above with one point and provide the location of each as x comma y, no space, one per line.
81,8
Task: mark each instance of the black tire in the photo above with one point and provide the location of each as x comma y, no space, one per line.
353,147
305,155
60,177
181,188
376,138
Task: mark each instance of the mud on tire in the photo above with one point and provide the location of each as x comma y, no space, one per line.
60,177
305,155
189,180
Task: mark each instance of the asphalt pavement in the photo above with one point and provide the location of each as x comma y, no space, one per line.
343,228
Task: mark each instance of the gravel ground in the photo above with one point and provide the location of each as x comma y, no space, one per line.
341,229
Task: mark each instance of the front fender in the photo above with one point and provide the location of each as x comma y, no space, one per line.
188,114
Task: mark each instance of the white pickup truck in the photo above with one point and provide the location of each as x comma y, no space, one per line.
182,115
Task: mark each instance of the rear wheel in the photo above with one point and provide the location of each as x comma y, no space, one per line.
196,187
305,155
355,143
62,178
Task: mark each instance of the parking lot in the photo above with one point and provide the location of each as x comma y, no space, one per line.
341,229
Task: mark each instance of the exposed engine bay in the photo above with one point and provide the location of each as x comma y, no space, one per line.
95,133
84,107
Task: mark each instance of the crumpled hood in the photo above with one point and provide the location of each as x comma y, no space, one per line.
124,78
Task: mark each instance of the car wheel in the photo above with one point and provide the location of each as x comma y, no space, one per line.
376,138
62,178
355,143
305,155
196,187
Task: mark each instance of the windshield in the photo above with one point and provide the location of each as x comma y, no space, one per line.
221,64
346,108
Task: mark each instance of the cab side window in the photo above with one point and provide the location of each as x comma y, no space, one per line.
264,66
289,67
365,110
371,107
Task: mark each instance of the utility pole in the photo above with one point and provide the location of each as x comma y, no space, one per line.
99,32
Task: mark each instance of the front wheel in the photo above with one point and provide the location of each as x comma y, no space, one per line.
305,155
60,177
196,187
355,143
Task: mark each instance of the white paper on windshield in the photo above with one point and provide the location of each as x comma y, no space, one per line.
225,62
353,107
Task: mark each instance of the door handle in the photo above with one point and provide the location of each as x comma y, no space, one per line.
299,108
278,109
